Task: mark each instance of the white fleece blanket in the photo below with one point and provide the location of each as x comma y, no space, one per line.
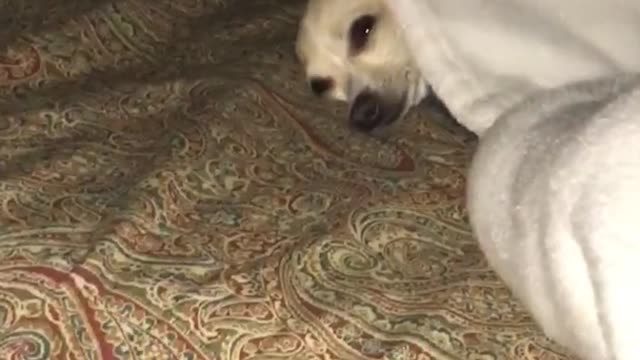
551,88
483,56
554,202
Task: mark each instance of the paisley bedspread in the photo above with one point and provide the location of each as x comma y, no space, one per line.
169,189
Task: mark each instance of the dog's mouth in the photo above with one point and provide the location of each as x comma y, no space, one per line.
370,111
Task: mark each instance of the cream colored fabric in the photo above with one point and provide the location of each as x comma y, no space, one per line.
554,188
482,56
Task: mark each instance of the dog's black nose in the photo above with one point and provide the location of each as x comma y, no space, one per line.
367,112
320,85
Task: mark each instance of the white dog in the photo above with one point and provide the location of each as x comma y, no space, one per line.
554,189
354,51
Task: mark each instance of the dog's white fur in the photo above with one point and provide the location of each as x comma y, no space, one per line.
554,189
385,66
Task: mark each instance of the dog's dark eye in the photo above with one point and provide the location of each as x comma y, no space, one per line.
359,32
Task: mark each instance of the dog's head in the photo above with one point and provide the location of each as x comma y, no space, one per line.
354,51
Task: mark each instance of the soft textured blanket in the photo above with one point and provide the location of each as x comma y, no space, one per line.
552,91
482,57
553,197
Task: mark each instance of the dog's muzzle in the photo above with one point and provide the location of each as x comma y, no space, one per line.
370,110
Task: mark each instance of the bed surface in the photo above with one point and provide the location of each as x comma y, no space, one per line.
169,189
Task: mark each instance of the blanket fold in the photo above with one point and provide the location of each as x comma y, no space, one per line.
483,57
551,89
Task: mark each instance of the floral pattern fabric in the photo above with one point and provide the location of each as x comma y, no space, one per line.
169,189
